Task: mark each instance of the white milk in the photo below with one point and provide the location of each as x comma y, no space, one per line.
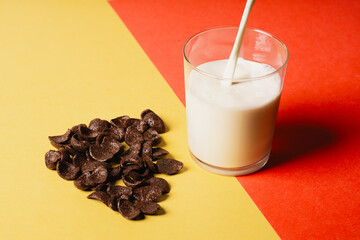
231,126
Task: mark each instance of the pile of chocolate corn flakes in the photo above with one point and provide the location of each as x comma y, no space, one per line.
94,157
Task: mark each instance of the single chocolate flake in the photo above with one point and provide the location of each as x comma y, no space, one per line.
149,163
101,187
152,136
120,191
142,126
131,159
131,167
87,153
106,150
115,173
143,113
147,149
61,139
75,129
91,179
127,209
111,144
99,138
148,193
79,145
91,165
130,182
134,150
145,173
82,182
115,132
135,122
113,203
98,125
121,122
101,196
69,149
65,154
133,136
99,175
86,133
67,170
147,207
135,176
79,160
160,183
169,166
51,159
154,121
159,152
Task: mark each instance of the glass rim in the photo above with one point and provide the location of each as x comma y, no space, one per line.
236,79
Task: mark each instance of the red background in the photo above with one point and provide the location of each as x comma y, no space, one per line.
310,187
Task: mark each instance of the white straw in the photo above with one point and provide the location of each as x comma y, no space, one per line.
231,65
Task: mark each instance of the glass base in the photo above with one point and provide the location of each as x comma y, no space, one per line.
232,171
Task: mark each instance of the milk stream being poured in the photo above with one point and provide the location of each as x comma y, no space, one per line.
232,126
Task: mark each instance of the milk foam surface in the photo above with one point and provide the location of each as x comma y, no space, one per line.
240,95
232,126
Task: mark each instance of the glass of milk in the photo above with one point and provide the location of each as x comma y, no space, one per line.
231,122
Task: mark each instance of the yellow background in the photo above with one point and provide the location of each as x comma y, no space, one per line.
67,62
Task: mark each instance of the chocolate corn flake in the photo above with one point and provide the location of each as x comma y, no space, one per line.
83,182
91,165
142,126
134,150
133,136
115,132
98,125
67,170
111,144
100,153
79,160
65,154
154,121
132,160
120,191
101,196
147,207
86,133
159,152
131,182
149,163
93,157
152,136
69,149
148,193
127,209
99,175
122,122
169,166
147,149
131,167
58,141
115,173
160,183
106,150
101,187
113,203
51,159
79,145
143,113
92,179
